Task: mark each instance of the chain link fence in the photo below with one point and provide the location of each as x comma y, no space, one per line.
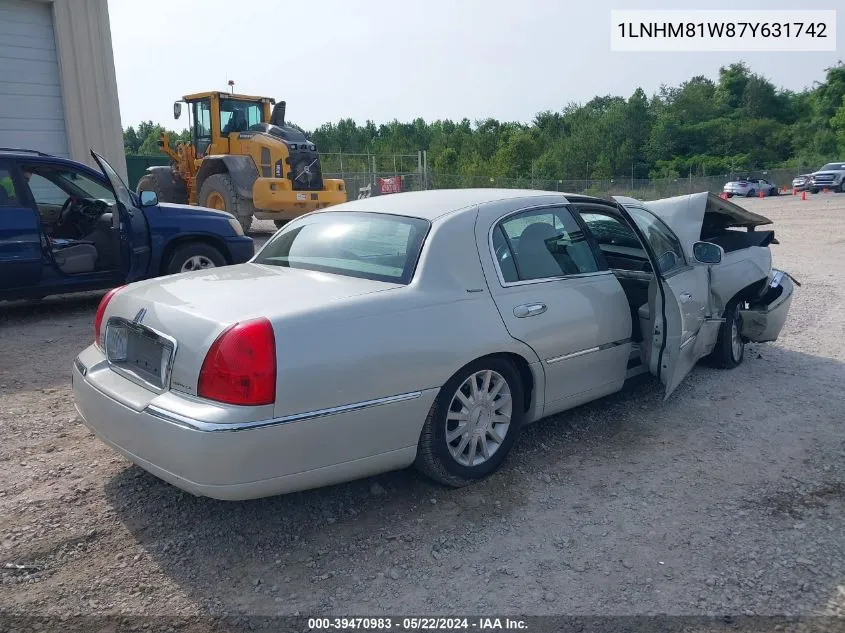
363,175
643,189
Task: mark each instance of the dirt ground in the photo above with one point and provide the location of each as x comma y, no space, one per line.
727,498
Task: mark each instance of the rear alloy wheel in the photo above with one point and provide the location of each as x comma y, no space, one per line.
194,256
473,423
218,192
751,193
730,346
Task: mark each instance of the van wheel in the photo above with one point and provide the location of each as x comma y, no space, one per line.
472,424
218,192
194,256
730,346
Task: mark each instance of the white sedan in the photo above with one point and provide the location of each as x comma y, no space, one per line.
420,328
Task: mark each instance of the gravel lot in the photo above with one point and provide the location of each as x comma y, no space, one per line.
727,498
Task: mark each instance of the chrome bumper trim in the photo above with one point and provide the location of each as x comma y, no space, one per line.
213,427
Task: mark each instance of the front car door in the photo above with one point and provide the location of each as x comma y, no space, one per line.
131,225
555,295
684,329
21,253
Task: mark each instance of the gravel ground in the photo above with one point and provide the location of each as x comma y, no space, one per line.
727,498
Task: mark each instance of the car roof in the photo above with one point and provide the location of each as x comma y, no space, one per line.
435,203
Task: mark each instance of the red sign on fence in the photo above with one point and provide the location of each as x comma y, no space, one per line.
391,185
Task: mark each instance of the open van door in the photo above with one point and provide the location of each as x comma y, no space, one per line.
130,225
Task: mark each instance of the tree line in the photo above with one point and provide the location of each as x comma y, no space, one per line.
740,122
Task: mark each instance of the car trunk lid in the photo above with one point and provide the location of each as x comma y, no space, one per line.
187,312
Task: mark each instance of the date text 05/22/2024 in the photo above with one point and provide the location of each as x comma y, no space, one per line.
418,624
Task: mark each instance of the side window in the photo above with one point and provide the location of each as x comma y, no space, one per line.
610,232
45,192
202,126
542,244
9,196
238,116
664,243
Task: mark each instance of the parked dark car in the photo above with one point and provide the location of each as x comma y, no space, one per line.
802,182
65,227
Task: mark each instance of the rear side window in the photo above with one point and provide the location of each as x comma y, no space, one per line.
542,244
373,246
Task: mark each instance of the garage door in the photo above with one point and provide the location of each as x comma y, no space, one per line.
31,110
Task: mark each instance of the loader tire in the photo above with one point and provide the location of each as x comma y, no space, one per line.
218,192
176,194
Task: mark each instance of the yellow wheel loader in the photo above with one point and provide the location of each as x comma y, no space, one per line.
243,159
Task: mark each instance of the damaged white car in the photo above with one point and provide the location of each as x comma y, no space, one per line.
419,328
738,297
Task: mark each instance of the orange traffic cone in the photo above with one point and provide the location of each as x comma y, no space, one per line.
826,190
761,194
803,195
794,192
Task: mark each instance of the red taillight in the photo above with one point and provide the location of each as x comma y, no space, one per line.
101,310
240,367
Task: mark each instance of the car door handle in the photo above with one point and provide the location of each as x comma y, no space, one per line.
686,297
529,309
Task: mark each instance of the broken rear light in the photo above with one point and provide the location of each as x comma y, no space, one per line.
240,367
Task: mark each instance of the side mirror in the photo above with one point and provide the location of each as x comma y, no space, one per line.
177,109
707,253
148,198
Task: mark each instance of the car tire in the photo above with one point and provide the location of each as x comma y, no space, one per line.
218,192
751,193
443,454
774,191
194,256
280,223
730,195
814,191
730,346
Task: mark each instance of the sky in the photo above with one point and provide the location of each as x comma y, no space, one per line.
436,59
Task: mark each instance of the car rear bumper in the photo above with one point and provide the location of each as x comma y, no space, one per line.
764,321
240,461
241,249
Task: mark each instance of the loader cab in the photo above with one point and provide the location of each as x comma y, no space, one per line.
214,116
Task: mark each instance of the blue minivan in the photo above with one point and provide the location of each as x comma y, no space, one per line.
65,227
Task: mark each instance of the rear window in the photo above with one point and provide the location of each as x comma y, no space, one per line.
375,246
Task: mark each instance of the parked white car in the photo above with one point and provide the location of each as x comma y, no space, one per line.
419,328
831,176
750,187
